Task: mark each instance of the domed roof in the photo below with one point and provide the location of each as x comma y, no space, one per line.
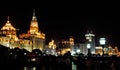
8,26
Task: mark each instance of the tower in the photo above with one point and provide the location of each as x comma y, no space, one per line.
34,24
37,38
34,37
90,37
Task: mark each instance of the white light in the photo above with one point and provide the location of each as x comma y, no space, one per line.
7,45
33,59
72,53
24,53
34,68
102,41
25,68
98,47
88,46
78,51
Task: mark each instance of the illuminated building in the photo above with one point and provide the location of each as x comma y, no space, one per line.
52,44
66,45
8,36
90,37
34,39
110,50
37,39
115,50
71,42
83,48
51,48
98,50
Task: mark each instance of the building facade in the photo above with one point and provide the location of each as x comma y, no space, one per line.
8,35
36,37
90,39
33,39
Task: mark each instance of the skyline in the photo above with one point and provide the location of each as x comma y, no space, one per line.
57,24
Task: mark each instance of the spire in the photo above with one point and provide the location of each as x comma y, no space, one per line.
8,19
33,12
34,17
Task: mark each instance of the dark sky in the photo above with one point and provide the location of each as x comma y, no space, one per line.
62,21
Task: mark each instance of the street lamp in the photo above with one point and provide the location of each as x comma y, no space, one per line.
88,47
102,43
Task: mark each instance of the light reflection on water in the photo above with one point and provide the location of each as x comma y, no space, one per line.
29,68
44,68
32,68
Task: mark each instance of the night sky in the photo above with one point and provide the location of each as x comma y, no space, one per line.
63,21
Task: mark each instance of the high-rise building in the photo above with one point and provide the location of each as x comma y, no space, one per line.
90,37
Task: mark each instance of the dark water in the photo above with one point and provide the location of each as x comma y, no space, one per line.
37,68
32,68
40,68
64,63
73,66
